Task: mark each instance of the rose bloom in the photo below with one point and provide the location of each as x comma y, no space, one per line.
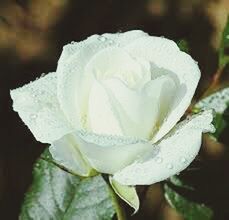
113,106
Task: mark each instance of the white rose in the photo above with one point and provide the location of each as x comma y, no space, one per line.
113,104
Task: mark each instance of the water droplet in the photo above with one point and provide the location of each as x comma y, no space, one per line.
169,166
72,42
196,62
111,42
227,36
159,160
42,92
102,38
183,160
33,116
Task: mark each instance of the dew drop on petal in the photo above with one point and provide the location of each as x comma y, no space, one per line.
111,42
42,92
183,160
169,166
159,160
102,38
43,74
33,116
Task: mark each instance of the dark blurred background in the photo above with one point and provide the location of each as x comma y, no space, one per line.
32,34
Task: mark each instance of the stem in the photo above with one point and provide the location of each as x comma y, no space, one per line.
214,83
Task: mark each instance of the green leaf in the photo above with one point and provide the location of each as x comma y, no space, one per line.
183,45
189,209
127,193
224,46
175,180
57,194
220,124
219,102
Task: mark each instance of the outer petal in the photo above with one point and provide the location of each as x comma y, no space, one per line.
165,54
38,107
171,155
74,48
65,151
108,154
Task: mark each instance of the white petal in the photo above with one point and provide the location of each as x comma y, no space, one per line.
116,109
101,115
38,107
127,193
72,78
115,62
119,39
165,54
72,49
108,154
138,111
65,151
73,83
171,155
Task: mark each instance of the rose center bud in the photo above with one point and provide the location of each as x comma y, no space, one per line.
127,97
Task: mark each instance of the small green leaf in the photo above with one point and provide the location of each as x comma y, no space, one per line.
189,209
217,101
57,194
224,46
127,193
183,45
175,180
220,124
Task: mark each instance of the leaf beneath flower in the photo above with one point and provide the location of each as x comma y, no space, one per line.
189,209
219,102
56,194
